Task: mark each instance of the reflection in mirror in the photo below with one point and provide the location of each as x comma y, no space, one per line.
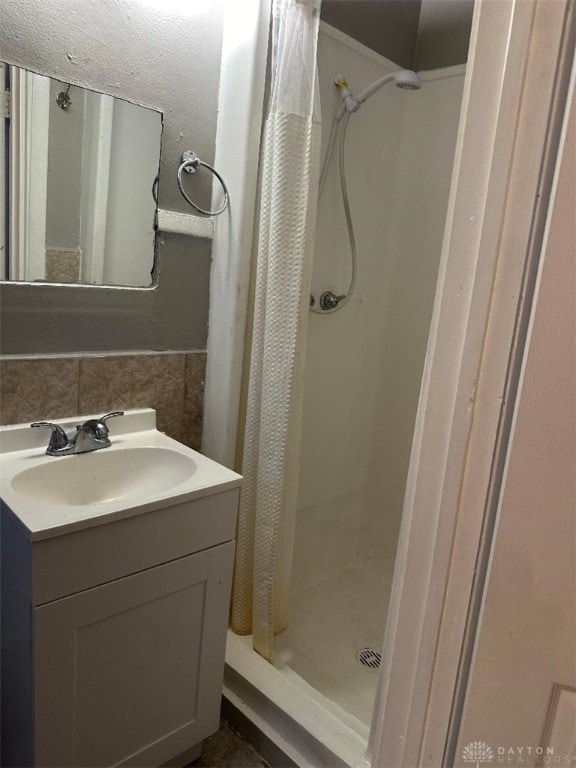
78,185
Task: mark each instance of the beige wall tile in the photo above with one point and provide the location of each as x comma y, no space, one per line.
173,384
62,266
194,399
38,390
136,381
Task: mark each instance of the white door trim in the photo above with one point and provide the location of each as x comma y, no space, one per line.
490,236
97,153
240,114
29,122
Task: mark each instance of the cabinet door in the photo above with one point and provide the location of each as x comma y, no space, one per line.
130,673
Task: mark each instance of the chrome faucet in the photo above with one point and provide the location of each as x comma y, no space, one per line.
90,436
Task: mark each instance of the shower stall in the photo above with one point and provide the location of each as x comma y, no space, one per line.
364,364
363,373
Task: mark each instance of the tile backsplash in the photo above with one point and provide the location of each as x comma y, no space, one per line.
41,388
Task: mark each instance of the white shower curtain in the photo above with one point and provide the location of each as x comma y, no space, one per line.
286,227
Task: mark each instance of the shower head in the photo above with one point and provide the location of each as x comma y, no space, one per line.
407,80
402,78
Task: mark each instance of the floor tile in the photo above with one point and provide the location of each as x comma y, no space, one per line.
227,749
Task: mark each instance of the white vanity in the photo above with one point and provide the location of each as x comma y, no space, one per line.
116,577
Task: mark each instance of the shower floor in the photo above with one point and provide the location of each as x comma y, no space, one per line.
331,621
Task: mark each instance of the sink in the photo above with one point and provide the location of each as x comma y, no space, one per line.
143,470
117,566
101,477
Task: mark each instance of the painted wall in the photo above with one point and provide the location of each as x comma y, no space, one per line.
173,316
389,28
416,34
364,364
158,54
443,33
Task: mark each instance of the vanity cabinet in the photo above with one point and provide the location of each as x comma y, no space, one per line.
114,637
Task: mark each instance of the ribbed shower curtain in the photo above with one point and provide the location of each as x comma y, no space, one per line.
286,226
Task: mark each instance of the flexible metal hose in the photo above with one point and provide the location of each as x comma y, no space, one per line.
344,190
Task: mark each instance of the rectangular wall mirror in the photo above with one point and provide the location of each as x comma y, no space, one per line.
78,184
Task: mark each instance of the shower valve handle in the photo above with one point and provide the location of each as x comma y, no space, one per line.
330,300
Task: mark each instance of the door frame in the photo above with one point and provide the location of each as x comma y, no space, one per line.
513,104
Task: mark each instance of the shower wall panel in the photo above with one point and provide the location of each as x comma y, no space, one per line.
364,364
343,354
422,186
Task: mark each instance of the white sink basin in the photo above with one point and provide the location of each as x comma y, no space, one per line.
102,476
143,470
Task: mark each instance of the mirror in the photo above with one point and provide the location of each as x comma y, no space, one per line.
79,185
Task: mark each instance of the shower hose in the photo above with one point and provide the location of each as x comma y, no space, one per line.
344,190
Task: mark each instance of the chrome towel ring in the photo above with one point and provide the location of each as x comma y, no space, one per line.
190,163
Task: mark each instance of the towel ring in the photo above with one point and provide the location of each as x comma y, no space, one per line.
190,163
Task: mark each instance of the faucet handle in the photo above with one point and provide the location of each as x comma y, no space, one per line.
98,428
58,438
110,415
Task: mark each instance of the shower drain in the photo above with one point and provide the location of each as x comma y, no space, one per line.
369,658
